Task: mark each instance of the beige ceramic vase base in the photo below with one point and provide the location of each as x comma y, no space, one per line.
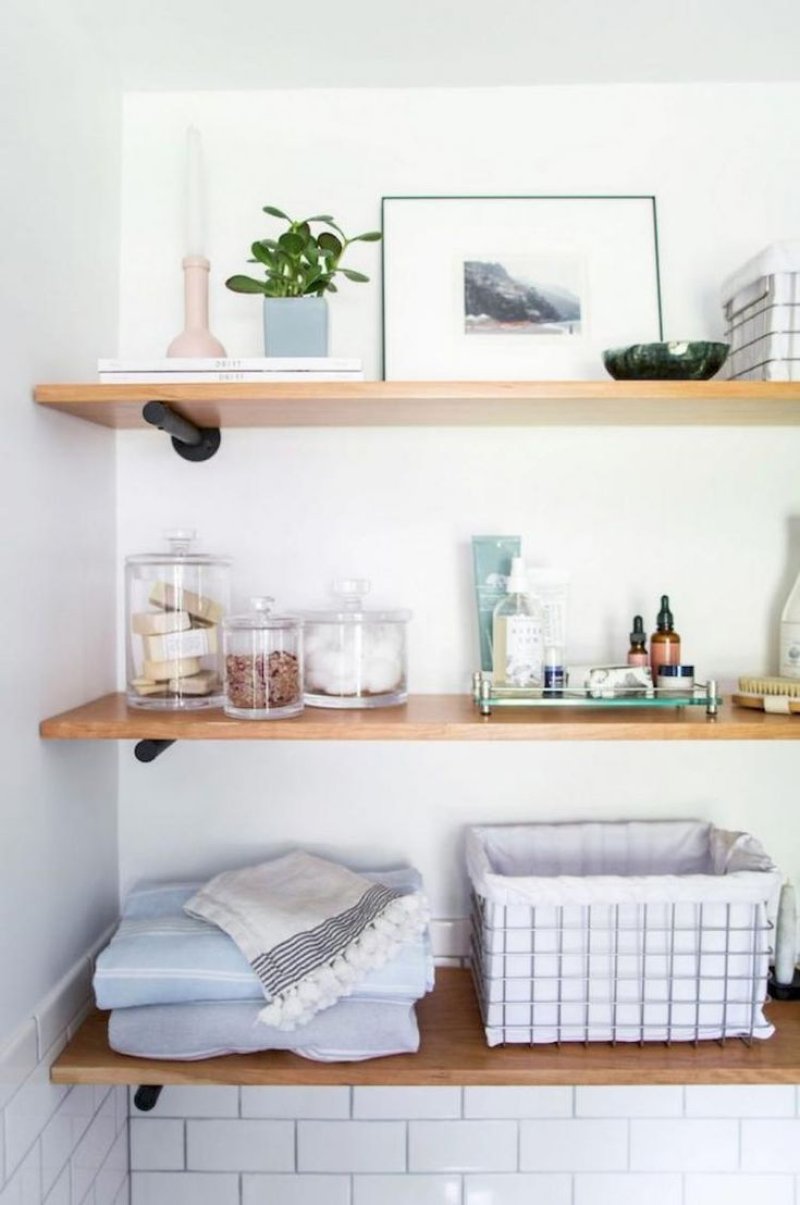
196,339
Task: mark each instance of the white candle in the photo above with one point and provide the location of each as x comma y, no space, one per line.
195,193
786,936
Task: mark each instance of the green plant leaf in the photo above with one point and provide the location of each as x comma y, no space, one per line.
372,236
328,243
319,217
263,255
351,275
246,284
276,213
292,244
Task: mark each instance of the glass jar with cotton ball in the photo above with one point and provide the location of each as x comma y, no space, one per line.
355,656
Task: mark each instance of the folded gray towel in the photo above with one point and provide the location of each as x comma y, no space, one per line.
346,1032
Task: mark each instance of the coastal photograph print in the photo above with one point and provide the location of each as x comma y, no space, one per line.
523,295
516,288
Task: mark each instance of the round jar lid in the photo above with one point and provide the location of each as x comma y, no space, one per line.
260,618
180,541
351,591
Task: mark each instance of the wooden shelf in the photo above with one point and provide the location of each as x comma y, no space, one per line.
454,1051
439,403
423,718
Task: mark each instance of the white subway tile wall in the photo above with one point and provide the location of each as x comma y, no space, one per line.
665,1145
59,1145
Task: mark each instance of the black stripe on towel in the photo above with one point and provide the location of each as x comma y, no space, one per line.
281,967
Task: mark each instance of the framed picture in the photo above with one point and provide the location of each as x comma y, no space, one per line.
516,288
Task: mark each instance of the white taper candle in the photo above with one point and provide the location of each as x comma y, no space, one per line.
786,935
195,193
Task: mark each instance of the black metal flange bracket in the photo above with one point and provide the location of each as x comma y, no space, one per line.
146,1097
189,441
147,751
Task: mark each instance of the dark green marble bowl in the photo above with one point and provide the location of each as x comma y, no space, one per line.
665,361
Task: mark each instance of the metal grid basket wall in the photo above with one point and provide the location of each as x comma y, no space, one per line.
627,972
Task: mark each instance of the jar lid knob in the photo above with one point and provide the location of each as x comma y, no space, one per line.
351,590
262,604
180,539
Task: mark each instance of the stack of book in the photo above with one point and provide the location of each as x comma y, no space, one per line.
231,370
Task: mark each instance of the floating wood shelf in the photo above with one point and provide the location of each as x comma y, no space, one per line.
423,718
439,403
454,1051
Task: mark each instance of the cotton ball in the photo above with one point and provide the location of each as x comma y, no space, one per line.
333,672
382,674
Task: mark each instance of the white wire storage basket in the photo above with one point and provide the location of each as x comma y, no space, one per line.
620,932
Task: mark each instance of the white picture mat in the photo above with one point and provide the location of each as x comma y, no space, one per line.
428,239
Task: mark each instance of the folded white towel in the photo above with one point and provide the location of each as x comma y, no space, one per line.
310,929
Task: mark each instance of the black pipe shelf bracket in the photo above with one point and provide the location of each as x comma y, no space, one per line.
146,1097
189,441
148,750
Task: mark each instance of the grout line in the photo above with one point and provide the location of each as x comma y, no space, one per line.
239,1102
296,1146
408,1146
185,1145
739,1145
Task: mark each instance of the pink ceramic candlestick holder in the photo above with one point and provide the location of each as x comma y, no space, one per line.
196,339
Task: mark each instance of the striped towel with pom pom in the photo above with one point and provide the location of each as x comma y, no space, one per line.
310,929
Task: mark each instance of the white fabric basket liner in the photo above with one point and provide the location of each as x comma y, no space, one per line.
635,861
636,930
776,260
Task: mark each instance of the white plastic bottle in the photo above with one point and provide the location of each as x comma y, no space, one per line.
789,661
518,634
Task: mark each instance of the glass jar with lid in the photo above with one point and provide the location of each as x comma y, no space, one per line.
263,664
355,656
175,603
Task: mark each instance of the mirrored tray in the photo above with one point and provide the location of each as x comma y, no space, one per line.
487,696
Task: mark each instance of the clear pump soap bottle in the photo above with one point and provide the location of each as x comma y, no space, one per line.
518,634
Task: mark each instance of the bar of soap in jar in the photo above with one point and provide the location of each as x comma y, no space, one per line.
175,600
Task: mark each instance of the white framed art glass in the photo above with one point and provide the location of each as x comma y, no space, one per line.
516,288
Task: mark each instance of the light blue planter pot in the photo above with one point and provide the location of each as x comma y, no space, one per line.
295,326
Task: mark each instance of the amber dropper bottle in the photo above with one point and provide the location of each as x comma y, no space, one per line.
637,653
665,643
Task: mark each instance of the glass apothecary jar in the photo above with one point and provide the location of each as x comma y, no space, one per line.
263,664
175,603
355,656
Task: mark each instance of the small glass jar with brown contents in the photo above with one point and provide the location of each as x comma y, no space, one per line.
263,664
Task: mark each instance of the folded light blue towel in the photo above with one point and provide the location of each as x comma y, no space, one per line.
347,1031
161,956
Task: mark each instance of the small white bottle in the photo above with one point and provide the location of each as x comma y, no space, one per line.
789,661
518,634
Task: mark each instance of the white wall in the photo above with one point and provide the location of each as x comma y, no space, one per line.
703,514
59,147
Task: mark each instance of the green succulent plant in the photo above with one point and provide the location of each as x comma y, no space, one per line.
300,263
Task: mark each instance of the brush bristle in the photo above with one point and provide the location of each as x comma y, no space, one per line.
787,687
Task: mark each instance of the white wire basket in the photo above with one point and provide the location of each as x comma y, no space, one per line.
620,932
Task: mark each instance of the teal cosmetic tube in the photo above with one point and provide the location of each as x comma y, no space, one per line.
491,559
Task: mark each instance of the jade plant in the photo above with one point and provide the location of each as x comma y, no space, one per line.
300,263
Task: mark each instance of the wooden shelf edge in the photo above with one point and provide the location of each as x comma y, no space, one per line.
437,403
453,1051
423,718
